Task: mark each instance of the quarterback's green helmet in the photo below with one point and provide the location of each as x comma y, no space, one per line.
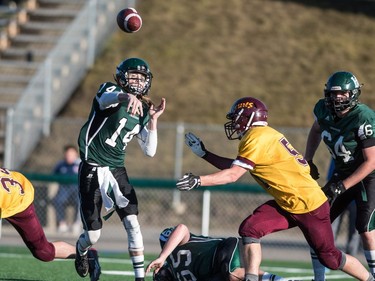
342,81
133,65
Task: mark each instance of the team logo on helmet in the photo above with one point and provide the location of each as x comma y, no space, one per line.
245,105
245,113
164,235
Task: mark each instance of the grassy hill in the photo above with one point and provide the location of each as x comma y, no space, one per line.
206,54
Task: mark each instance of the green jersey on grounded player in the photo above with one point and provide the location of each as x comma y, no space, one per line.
186,256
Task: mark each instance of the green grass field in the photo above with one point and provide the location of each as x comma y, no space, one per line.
17,264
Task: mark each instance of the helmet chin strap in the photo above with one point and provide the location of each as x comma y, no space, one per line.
248,124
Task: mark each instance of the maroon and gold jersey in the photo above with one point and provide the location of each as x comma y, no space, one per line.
16,193
280,170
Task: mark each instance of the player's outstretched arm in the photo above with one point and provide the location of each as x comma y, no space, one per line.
179,236
149,146
155,112
198,148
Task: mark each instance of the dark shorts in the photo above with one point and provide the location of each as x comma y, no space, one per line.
315,226
364,195
227,257
28,226
91,200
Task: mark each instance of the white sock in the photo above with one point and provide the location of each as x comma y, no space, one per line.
251,277
319,269
370,258
271,277
138,266
83,245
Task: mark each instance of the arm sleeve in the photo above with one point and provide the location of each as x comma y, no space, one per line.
108,99
148,141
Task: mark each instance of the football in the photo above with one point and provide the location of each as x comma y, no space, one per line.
128,20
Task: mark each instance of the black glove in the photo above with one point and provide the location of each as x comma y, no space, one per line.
332,190
188,181
313,170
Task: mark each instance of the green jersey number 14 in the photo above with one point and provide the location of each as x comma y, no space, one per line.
127,137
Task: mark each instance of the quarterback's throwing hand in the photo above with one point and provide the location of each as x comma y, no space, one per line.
195,144
332,190
188,181
135,106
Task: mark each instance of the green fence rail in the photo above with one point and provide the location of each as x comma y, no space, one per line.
150,183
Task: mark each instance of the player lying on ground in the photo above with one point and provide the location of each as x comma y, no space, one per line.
196,257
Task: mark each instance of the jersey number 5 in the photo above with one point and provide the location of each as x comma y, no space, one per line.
183,259
293,152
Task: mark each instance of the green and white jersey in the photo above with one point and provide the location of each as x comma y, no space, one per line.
194,260
104,137
201,257
346,137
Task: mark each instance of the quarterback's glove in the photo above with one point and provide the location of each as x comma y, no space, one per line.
188,181
332,190
313,170
195,144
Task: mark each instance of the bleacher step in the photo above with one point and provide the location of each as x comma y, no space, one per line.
42,26
12,91
10,78
14,64
53,13
17,52
26,38
60,2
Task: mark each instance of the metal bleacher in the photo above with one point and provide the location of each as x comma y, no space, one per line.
46,48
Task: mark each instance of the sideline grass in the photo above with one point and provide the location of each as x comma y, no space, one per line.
17,264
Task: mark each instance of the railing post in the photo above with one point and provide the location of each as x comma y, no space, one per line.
92,27
47,96
206,212
179,153
8,153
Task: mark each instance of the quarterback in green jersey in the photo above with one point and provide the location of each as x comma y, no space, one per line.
346,126
186,256
119,112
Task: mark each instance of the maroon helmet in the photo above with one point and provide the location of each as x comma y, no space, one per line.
245,113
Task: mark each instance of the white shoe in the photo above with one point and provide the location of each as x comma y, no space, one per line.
63,227
77,228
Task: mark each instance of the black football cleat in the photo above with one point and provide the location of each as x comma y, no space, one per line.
81,263
94,266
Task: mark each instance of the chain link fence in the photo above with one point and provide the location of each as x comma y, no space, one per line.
217,212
